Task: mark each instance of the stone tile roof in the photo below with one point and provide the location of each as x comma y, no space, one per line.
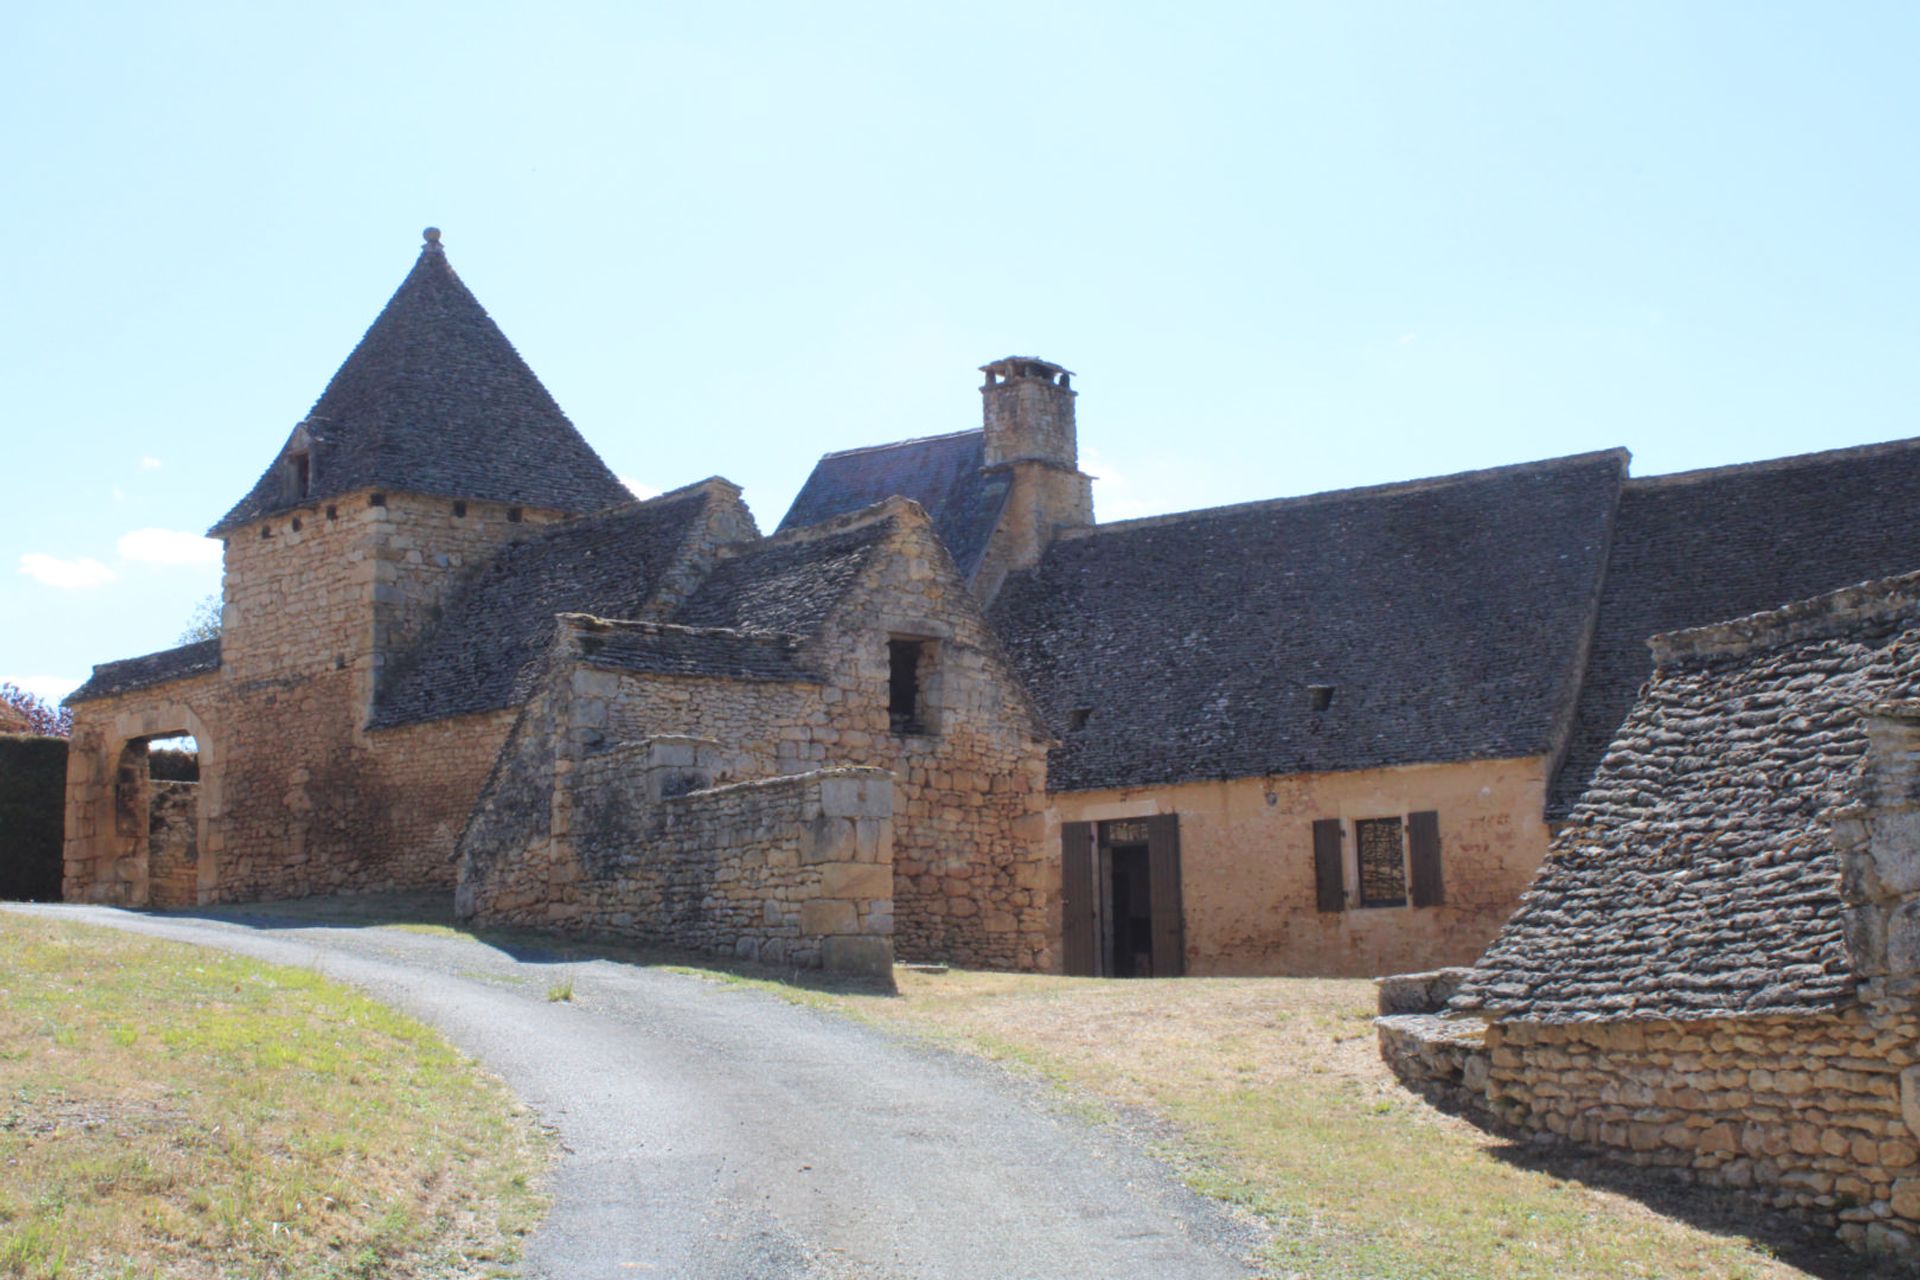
666,649
482,653
942,473
1696,877
1701,546
788,583
129,674
1447,615
435,400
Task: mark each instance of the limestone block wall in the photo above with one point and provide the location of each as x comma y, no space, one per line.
1247,864
1814,1115
975,880
106,856
794,870
435,770
173,843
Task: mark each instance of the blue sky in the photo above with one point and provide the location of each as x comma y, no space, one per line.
1285,247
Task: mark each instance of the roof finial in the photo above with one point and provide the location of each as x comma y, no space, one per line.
432,235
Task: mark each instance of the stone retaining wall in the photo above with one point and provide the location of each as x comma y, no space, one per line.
1813,1115
795,870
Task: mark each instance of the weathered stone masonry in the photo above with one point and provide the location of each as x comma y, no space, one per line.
1716,971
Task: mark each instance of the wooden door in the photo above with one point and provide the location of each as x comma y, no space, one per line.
1079,901
1163,872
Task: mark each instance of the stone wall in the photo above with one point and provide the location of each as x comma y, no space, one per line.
299,797
173,843
1813,1115
976,883
1247,864
794,870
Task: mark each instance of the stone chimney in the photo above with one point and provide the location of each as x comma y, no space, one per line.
1027,407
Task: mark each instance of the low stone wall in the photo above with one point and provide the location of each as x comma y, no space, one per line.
173,843
1813,1115
795,870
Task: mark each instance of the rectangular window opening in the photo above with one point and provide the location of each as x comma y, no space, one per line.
302,475
459,510
905,696
1383,862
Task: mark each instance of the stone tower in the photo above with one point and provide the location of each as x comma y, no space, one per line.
433,446
1027,407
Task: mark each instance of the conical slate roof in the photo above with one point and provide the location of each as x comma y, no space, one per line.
435,400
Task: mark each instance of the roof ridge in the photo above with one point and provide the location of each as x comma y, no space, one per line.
1673,479
1389,489
872,513
901,444
647,626
1815,617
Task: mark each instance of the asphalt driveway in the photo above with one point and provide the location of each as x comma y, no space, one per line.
718,1132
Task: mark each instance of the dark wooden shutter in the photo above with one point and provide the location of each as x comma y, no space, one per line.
1078,897
1163,876
1423,845
1329,868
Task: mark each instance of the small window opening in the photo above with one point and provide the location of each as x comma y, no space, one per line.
299,476
266,531
333,513
459,509
377,500
1320,696
296,524
513,515
905,703
1078,717
1383,862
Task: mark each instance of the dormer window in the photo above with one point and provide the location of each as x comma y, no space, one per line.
299,473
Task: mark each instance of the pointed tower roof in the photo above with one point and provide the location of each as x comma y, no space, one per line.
435,400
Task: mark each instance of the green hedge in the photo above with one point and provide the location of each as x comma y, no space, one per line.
33,811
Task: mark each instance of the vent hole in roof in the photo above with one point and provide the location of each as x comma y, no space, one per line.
1320,696
1078,717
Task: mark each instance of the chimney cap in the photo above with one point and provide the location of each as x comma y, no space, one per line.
1010,367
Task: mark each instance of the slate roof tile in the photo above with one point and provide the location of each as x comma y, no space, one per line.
482,654
435,400
942,473
1448,615
787,584
1695,877
130,674
1701,546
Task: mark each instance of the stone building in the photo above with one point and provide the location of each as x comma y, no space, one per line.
1323,734
1716,970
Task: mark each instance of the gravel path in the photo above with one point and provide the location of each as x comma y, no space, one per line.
715,1132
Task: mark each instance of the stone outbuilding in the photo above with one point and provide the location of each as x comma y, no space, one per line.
1716,970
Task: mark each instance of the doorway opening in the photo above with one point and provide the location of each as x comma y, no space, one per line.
1122,914
156,819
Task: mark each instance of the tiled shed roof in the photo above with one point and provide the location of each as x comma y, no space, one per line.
1696,877
1702,546
942,473
481,656
788,583
1446,615
129,674
435,400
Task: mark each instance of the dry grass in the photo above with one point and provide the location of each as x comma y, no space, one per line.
166,1110
1280,1103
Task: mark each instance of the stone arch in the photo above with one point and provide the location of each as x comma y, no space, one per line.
125,821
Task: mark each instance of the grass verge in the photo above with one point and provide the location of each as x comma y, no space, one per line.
168,1110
